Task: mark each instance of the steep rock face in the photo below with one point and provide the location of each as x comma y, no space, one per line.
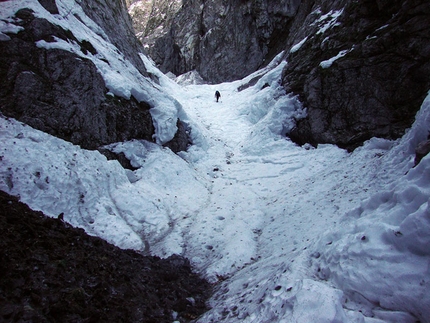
113,18
61,93
177,51
224,39
152,18
362,70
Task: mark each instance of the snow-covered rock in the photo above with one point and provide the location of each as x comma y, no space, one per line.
79,75
362,71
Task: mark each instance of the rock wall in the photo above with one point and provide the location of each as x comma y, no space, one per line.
223,40
113,18
152,18
363,69
360,68
62,93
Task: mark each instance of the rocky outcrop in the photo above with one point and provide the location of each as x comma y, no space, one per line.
152,21
62,93
113,18
240,37
422,150
181,140
224,40
152,18
363,69
50,6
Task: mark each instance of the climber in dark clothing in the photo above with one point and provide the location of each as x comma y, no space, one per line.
217,95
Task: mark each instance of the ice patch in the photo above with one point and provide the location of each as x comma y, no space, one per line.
299,45
328,20
329,62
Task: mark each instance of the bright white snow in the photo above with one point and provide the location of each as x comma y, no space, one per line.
288,233
299,45
329,62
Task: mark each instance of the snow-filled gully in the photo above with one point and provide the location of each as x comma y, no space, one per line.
286,233
278,228
274,208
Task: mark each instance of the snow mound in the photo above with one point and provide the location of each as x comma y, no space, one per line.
129,209
380,254
190,78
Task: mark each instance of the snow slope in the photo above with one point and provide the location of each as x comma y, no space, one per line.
288,233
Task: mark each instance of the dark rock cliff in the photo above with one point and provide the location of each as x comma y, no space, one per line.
224,39
62,93
377,83
58,92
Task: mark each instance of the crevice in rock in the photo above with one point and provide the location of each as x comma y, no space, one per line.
181,141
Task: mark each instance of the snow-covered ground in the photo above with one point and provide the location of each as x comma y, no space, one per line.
287,233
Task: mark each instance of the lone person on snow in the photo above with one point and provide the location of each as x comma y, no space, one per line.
217,95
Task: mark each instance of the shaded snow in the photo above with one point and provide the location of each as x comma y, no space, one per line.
299,45
290,234
329,62
328,20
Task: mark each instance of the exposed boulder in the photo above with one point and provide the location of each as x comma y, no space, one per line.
363,69
181,140
120,157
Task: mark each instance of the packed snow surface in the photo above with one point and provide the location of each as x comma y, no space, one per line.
287,233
